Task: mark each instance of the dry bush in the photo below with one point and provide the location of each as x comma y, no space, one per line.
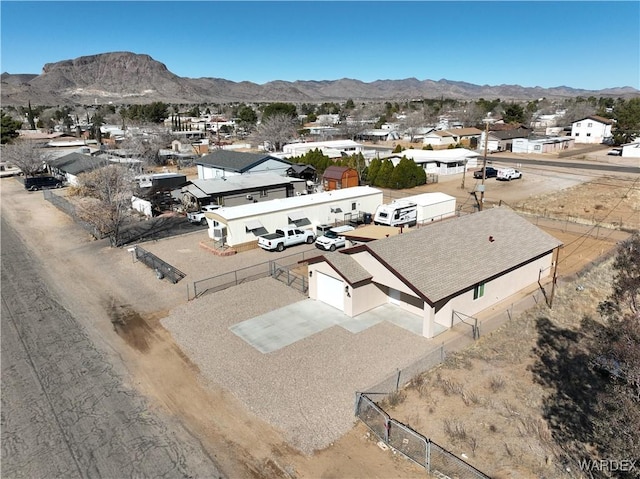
450,387
455,430
395,398
470,397
497,383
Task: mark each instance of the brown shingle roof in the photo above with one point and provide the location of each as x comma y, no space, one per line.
335,172
347,267
445,258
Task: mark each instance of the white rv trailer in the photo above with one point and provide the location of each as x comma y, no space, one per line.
409,211
241,225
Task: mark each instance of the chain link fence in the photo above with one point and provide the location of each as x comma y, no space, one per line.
162,268
69,208
411,444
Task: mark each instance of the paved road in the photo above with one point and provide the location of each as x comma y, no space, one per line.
566,164
65,410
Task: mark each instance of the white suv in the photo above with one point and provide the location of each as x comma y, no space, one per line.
332,239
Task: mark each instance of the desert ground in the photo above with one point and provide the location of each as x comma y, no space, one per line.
506,433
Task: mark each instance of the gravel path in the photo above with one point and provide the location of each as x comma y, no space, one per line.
307,390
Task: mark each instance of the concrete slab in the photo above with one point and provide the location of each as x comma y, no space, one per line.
279,328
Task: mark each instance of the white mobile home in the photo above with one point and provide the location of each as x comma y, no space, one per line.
441,162
240,226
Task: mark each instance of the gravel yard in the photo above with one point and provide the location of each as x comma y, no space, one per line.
307,389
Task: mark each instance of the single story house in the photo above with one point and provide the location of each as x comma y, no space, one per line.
240,190
441,162
542,145
592,129
464,265
240,226
376,135
467,137
502,140
339,177
631,150
303,171
331,148
224,163
73,164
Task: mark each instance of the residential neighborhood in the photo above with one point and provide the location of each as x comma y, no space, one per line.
359,232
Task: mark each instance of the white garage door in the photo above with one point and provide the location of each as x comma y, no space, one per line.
331,291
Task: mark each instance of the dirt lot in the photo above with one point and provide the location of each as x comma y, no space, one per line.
104,286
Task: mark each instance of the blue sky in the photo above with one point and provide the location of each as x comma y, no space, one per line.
590,45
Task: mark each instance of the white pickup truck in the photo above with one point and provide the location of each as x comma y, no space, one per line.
285,237
198,217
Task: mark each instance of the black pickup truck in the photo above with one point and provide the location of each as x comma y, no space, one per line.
491,173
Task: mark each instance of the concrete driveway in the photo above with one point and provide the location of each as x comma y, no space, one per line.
284,326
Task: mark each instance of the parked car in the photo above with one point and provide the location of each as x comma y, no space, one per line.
333,238
285,237
491,173
198,217
35,183
615,152
508,174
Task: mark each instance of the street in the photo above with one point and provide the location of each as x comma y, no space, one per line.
66,412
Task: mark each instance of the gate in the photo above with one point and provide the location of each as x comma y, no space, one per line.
289,277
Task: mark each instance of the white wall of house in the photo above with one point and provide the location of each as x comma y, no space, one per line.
590,131
631,150
495,291
318,208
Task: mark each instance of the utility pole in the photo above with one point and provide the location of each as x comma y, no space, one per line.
484,164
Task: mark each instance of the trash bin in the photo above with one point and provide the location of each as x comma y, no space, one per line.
366,218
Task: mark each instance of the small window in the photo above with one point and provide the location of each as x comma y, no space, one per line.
353,206
589,125
578,124
478,291
577,134
588,134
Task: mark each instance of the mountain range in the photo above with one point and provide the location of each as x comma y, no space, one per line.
130,78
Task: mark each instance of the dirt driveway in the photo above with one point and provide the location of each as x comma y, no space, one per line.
101,284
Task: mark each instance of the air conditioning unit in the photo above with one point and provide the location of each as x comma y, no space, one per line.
219,232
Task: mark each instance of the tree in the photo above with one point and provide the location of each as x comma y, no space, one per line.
27,156
9,128
383,178
277,130
110,188
513,113
279,109
627,127
407,174
247,117
616,350
374,169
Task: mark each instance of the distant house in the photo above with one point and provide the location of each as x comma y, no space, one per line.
71,165
592,129
631,150
414,270
439,162
240,189
303,171
542,145
223,163
330,148
502,140
467,137
339,177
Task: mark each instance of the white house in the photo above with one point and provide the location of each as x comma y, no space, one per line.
441,162
592,129
240,226
542,145
331,148
631,150
223,163
444,272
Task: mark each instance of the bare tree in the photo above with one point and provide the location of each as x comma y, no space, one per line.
107,191
147,148
27,156
412,124
276,131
